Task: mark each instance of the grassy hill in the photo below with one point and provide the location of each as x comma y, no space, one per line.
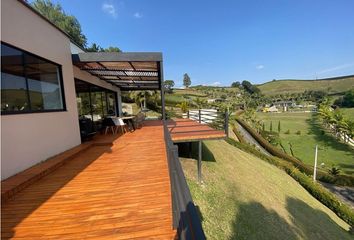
244,197
330,85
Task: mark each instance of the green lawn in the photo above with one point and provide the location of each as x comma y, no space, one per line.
243,197
348,112
331,151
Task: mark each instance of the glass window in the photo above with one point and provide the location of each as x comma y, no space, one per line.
29,83
43,84
13,82
94,102
111,103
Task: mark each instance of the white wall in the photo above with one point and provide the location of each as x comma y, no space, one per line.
30,138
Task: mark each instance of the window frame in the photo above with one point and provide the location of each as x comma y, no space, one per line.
61,82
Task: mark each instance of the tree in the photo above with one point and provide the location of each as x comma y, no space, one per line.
251,89
67,23
279,127
168,85
236,84
348,99
184,106
186,80
97,48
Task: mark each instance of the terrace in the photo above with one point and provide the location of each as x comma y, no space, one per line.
114,186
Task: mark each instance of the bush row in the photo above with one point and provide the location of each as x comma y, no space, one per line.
344,180
315,189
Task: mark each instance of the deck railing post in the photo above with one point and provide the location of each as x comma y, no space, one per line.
200,116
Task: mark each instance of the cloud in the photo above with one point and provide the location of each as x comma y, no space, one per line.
109,9
259,67
216,84
339,67
137,15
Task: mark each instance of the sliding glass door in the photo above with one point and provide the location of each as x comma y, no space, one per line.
94,102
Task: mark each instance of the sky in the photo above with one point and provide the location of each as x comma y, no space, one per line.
219,42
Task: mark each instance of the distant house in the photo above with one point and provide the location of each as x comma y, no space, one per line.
215,100
270,109
284,105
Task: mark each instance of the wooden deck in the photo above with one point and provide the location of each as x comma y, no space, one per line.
119,191
186,130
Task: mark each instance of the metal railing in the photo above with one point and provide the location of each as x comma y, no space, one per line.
216,119
185,216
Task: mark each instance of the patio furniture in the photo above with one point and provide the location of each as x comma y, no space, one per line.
140,117
108,124
119,123
87,129
130,121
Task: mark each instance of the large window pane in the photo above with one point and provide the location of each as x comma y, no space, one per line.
43,84
97,105
29,83
13,82
83,104
111,102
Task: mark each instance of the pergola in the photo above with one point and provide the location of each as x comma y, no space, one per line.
128,71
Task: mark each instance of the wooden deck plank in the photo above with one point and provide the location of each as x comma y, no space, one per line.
185,130
120,191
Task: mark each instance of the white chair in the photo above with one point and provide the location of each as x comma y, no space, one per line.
120,124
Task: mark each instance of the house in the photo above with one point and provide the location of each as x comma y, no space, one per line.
270,109
284,105
215,100
72,189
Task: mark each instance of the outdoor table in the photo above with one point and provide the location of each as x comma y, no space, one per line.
129,120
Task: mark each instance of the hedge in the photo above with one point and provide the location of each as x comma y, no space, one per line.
344,180
315,189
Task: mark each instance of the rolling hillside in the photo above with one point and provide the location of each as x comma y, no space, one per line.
332,85
243,197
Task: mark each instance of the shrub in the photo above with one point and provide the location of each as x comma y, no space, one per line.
334,171
298,132
287,131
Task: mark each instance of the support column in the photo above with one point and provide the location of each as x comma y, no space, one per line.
200,161
162,92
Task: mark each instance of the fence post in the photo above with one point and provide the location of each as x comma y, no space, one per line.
187,114
227,122
200,116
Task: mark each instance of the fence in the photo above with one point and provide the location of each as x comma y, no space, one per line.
185,216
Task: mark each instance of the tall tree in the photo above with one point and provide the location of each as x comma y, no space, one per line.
186,80
168,84
97,48
235,84
68,23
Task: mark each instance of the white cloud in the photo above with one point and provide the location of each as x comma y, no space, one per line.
137,15
216,84
109,9
340,67
259,67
